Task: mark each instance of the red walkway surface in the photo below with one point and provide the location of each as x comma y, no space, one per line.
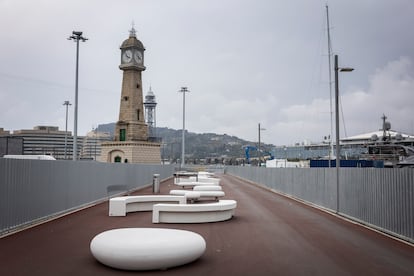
269,235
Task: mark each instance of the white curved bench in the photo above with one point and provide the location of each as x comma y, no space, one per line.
205,174
199,194
207,188
119,206
206,179
184,180
194,213
195,183
197,179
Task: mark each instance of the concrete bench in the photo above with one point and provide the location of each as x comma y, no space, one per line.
197,179
207,188
185,179
216,181
194,213
205,174
119,206
197,194
194,183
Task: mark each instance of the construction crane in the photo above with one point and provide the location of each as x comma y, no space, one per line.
247,150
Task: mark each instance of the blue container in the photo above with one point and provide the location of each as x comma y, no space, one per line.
348,163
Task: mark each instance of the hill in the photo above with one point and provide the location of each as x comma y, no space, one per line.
210,147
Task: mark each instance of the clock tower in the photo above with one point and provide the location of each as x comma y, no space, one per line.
131,123
131,143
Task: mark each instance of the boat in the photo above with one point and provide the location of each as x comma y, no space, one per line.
389,148
407,162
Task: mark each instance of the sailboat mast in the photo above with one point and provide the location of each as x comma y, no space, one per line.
330,83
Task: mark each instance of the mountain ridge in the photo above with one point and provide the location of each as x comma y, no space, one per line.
199,146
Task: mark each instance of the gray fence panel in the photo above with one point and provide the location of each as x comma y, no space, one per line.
383,198
33,190
380,198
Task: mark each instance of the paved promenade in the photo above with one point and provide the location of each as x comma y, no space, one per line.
269,235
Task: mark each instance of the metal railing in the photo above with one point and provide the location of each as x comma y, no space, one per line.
35,190
380,198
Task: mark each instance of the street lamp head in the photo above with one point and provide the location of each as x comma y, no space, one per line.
184,89
76,36
341,69
346,69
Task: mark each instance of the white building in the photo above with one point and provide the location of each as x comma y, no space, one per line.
91,146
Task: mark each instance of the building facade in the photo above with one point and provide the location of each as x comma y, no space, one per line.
91,145
49,140
10,144
46,140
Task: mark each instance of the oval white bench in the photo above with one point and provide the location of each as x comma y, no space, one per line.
147,248
194,213
197,194
119,206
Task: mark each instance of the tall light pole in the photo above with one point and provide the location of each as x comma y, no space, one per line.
183,90
76,36
260,153
331,151
338,149
67,103
95,132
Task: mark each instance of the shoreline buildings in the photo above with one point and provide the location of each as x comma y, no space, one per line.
385,144
49,140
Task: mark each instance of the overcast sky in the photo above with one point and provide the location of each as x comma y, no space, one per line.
245,62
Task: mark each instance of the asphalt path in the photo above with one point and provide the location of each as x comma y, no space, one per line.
269,235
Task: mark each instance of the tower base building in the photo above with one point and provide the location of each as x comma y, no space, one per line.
131,152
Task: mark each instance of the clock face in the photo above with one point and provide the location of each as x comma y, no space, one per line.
138,56
127,56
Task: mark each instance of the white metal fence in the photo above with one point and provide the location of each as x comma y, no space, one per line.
380,198
34,190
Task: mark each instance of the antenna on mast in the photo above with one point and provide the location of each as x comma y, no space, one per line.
330,82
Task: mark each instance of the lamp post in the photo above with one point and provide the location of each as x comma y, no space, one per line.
67,103
338,150
183,90
95,133
76,36
258,148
